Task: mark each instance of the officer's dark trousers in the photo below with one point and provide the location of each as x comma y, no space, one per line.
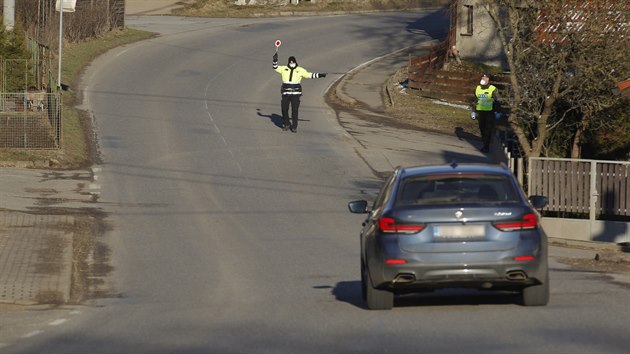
486,127
294,101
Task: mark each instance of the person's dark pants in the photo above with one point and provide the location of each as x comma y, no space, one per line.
486,127
294,101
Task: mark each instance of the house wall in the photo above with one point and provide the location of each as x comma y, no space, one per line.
481,44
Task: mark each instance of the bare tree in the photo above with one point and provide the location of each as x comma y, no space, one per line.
92,19
565,58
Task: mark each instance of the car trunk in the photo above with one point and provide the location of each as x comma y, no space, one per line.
460,229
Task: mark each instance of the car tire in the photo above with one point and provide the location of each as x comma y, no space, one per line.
377,299
363,282
537,295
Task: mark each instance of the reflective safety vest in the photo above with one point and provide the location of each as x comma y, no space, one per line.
485,102
291,79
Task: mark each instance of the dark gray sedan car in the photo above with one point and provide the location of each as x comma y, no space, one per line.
452,226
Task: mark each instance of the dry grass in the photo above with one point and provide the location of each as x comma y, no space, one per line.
227,8
426,113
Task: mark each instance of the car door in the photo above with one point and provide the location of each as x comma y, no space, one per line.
370,227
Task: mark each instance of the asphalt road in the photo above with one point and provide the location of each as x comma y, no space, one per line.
228,235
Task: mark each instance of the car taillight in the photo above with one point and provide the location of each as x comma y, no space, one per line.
527,222
395,261
524,258
390,225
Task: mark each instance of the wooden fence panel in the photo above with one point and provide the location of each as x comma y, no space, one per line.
614,181
567,185
618,187
534,184
572,182
623,190
603,183
557,186
583,189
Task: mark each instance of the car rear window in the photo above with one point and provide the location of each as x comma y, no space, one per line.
454,189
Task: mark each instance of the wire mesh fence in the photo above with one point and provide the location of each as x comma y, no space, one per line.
30,120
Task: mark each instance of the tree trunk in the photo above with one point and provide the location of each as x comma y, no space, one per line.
577,142
541,129
522,138
576,150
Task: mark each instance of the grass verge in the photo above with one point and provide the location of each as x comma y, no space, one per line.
426,113
228,8
76,150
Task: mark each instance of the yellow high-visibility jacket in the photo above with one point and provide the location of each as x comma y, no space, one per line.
485,101
291,78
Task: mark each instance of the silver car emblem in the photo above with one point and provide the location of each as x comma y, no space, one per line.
459,214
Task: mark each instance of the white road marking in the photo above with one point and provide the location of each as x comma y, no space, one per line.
122,52
216,126
58,322
32,334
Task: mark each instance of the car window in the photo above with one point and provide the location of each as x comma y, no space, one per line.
452,189
384,192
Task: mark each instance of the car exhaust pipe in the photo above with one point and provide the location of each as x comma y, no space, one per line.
516,275
404,278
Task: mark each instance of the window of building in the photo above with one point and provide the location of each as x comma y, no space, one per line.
468,10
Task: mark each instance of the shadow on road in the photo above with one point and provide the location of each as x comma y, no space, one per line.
350,292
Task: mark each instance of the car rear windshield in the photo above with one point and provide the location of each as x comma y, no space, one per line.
457,188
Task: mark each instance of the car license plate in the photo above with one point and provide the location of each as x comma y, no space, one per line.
452,232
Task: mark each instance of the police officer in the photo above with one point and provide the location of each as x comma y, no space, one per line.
291,89
484,110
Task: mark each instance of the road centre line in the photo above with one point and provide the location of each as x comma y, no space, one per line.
58,322
32,333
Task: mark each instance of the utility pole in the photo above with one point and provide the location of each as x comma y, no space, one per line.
9,14
60,43
62,6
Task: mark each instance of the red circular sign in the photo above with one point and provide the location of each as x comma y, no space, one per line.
278,43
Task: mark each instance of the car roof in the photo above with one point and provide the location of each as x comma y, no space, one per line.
408,171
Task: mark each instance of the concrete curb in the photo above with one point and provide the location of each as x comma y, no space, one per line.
341,82
591,245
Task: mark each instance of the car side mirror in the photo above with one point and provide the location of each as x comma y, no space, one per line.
538,201
358,206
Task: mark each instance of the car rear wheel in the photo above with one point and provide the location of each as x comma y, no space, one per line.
363,282
377,299
537,295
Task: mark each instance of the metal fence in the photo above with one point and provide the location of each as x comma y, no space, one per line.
30,120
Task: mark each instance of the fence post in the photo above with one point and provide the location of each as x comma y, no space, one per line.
529,176
593,198
519,164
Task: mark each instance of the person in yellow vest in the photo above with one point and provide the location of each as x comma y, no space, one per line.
291,89
485,109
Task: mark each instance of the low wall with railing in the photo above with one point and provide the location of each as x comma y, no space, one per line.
589,200
595,188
